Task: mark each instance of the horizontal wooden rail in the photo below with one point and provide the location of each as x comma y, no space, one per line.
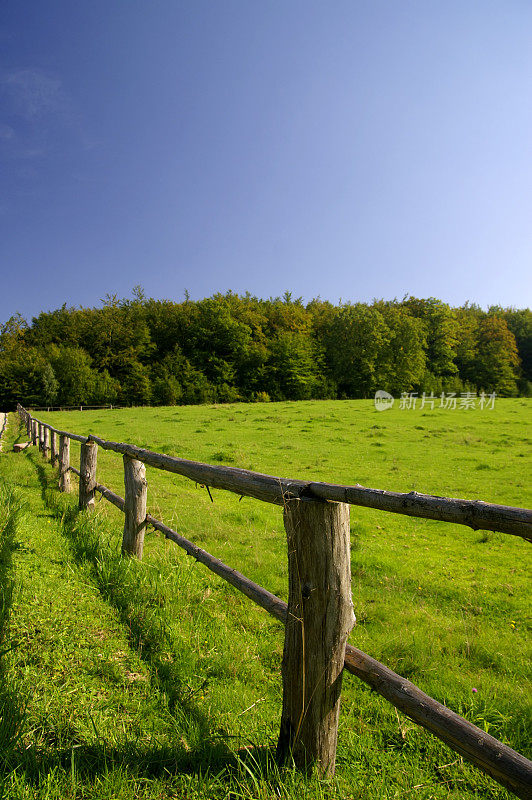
113,498
475,514
506,766
78,408
259,595
73,436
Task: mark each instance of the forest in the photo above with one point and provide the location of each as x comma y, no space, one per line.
231,347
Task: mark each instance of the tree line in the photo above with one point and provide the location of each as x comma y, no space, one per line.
231,347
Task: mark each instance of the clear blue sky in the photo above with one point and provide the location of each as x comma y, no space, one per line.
348,149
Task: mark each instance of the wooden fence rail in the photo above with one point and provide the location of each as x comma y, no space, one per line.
77,408
475,514
316,519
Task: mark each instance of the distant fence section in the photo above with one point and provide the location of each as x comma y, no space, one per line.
319,614
74,408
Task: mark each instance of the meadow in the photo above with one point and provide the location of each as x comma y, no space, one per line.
156,679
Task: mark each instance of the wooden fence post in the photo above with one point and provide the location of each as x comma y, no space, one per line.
34,433
87,478
64,463
319,620
136,490
54,455
45,441
41,437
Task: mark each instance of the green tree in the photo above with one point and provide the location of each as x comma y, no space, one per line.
22,378
355,340
292,369
50,384
106,390
184,383
441,331
72,369
135,383
403,359
12,334
519,322
497,361
468,322
166,390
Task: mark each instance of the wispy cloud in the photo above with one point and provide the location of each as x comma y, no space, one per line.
33,94
38,115
6,132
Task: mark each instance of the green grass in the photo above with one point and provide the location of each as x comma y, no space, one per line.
153,680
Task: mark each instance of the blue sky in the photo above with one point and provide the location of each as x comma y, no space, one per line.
349,150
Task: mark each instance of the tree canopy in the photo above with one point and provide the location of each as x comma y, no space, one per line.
229,347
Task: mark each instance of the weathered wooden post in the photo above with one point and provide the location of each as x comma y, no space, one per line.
320,618
64,463
87,478
136,490
54,454
34,433
41,437
45,441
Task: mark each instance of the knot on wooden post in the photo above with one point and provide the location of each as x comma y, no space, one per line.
319,620
136,490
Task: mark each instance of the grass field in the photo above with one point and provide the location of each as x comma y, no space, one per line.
126,680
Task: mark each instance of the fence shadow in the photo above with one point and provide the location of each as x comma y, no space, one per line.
12,706
144,762
146,633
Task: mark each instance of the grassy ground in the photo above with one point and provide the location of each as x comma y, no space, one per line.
125,680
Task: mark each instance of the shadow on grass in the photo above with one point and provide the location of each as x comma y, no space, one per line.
147,762
126,586
12,708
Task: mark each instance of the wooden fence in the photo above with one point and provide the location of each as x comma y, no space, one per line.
319,615
75,408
